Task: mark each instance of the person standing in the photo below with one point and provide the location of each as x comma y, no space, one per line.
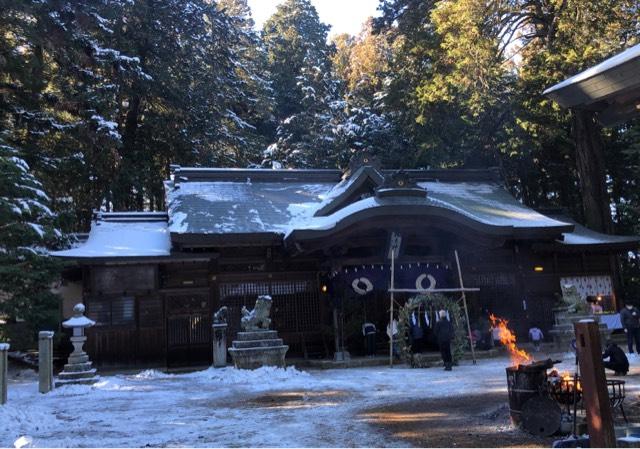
630,318
536,336
617,362
444,333
417,330
369,332
392,333
484,343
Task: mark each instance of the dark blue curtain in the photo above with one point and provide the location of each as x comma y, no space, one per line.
364,279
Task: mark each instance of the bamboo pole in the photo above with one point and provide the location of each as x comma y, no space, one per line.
393,267
464,302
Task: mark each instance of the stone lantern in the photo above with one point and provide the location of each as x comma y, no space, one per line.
78,370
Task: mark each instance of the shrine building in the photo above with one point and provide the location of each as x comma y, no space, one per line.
318,241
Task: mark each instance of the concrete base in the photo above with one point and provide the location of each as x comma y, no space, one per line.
258,348
563,333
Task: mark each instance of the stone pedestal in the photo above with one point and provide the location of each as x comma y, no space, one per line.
4,367
563,332
45,361
79,369
219,345
254,349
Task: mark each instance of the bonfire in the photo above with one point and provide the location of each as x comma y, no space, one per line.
508,340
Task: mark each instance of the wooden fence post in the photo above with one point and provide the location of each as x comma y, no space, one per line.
594,385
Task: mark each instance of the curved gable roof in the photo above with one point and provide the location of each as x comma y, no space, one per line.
282,202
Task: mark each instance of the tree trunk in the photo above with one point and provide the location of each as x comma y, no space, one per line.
123,195
591,171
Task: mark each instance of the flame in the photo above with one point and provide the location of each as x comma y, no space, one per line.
508,339
569,381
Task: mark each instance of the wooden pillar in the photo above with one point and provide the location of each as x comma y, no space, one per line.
4,367
617,281
594,385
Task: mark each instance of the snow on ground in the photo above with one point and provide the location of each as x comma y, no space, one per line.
267,407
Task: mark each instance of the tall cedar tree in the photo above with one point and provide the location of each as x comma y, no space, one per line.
309,107
253,105
363,63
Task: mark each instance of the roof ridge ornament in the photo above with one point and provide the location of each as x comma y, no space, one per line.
363,158
400,183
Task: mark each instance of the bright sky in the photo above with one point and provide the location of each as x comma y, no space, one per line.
344,16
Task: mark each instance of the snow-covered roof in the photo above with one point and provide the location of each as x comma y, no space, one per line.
583,236
242,207
126,234
611,89
242,204
284,204
615,61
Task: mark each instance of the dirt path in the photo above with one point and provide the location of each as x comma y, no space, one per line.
470,421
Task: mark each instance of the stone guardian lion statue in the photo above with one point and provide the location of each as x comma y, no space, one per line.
258,318
572,299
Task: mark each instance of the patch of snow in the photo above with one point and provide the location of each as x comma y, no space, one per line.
266,407
38,228
178,222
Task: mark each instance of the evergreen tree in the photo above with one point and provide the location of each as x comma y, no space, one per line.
294,37
60,90
26,231
309,106
309,138
251,116
364,65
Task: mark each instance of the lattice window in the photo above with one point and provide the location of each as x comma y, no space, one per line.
112,311
99,310
123,310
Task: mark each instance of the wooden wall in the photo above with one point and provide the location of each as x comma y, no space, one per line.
512,288
157,314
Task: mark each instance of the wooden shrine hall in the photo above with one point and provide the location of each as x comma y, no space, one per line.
316,240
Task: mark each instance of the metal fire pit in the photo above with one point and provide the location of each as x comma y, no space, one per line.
529,404
562,391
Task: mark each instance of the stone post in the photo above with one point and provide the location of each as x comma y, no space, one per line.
219,345
4,367
45,361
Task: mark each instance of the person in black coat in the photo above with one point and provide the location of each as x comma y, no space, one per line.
618,361
444,334
630,318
